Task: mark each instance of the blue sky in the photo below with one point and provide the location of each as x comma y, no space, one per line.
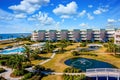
28,15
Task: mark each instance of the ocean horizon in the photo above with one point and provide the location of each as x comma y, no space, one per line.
6,36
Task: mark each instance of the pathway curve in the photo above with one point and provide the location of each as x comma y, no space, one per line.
48,59
30,68
6,74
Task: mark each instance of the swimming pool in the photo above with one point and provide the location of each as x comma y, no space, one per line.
12,50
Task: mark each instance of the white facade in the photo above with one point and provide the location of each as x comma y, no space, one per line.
76,35
117,37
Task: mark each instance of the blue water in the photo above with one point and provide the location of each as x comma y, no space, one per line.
104,78
84,63
13,35
13,50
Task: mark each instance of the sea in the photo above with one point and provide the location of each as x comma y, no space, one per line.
13,35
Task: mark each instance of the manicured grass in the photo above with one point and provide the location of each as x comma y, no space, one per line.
58,60
44,56
13,43
52,77
57,63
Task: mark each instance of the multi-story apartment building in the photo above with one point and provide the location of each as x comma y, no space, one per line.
117,37
75,35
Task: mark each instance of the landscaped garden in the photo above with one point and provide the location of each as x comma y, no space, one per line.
65,50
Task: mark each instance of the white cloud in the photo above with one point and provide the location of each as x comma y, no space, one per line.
90,17
5,15
119,20
64,16
101,10
111,20
43,18
28,6
69,9
21,15
82,13
90,6
97,12
83,25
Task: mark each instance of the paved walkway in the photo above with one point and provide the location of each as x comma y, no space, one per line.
62,73
48,59
6,74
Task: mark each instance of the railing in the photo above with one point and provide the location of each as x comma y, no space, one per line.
107,72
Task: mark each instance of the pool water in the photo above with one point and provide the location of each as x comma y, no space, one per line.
84,63
13,50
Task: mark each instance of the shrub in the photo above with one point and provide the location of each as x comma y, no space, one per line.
34,56
26,65
2,78
84,50
74,77
105,45
88,53
75,53
2,70
28,43
9,46
36,77
39,68
19,72
72,70
1,49
27,76
3,62
5,56
83,44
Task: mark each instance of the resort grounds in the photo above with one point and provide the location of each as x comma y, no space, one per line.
57,62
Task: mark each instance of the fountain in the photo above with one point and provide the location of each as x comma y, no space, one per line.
84,63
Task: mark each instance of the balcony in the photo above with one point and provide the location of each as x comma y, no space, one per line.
83,38
96,32
83,33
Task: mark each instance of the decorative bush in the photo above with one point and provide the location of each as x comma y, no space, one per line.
74,77
2,78
75,53
19,72
27,76
2,70
3,62
36,77
83,44
9,46
26,65
72,70
1,49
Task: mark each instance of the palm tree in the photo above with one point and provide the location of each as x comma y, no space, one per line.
27,52
63,45
15,62
48,47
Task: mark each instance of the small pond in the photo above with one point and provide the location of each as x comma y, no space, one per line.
84,63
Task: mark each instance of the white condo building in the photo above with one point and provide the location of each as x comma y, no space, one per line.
117,37
77,35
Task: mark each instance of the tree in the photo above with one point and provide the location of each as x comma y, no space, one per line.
63,44
15,61
27,52
75,53
49,47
